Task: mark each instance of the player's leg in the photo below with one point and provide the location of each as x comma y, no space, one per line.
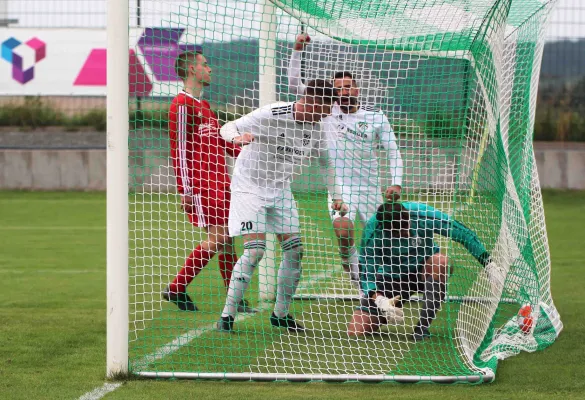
283,219
247,218
227,259
344,231
217,236
436,272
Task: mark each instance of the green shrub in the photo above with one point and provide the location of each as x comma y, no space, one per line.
33,113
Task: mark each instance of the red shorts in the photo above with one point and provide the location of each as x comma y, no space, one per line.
210,208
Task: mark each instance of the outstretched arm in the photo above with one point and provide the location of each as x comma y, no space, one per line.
442,224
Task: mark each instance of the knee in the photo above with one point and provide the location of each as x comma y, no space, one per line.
437,267
293,247
255,251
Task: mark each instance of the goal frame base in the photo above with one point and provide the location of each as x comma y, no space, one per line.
265,377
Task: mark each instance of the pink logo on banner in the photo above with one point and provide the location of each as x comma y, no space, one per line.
94,73
23,57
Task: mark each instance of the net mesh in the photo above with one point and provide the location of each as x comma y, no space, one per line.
457,83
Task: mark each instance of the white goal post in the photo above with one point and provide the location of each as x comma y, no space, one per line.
117,189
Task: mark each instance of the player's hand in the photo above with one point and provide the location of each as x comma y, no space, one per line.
393,193
339,205
187,203
394,315
302,41
244,139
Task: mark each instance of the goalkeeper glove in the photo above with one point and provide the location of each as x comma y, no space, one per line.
394,315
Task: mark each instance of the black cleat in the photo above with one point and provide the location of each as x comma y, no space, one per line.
420,334
182,300
225,324
287,322
243,307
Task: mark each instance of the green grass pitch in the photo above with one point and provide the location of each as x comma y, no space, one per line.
52,311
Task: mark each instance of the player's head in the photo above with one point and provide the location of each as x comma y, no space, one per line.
346,88
192,68
317,101
394,218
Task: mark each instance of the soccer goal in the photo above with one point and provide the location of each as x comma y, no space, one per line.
457,82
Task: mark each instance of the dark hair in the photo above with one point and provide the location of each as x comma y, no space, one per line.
183,60
322,89
393,216
345,74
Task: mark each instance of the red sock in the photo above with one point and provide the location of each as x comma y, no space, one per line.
196,261
226,266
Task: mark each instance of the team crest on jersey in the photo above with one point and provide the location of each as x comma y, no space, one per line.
306,139
207,130
362,127
415,242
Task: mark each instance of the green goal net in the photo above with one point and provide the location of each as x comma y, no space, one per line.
434,100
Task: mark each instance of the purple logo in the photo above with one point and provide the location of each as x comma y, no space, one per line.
23,57
160,47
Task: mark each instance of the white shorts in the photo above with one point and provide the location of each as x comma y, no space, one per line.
365,205
252,214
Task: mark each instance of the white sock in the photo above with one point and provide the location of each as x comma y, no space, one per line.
289,274
242,274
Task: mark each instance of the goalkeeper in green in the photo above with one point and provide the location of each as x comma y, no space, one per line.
398,257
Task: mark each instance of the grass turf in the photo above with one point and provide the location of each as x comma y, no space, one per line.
52,306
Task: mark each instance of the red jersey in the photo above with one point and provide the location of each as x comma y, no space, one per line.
197,150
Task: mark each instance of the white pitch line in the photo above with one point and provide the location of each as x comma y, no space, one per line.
186,338
101,391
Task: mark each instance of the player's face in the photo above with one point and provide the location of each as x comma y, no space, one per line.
200,71
347,91
314,109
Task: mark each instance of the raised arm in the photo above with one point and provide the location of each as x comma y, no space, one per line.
295,84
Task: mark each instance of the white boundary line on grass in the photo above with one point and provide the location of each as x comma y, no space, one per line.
100,391
186,338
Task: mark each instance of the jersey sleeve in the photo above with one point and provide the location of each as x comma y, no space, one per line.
295,84
442,224
253,121
390,144
178,143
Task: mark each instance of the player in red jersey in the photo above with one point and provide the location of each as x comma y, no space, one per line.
199,161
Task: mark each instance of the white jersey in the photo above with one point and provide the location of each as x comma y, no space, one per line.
355,138
281,144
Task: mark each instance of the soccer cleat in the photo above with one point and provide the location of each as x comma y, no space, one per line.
182,300
287,322
420,333
243,307
225,324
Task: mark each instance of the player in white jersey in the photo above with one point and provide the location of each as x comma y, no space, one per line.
355,133
277,139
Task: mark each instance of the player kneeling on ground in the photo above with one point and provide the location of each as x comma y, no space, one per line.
398,257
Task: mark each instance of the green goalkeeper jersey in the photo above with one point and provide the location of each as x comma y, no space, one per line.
397,257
